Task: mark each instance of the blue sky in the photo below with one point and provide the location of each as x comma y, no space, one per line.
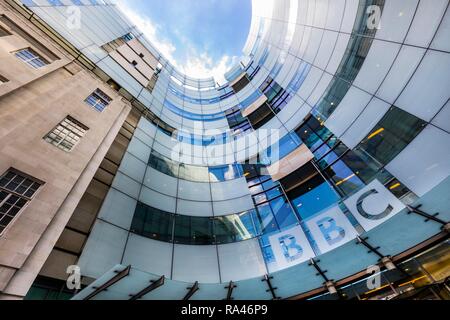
201,37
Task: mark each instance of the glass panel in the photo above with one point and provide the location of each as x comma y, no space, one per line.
264,220
312,140
283,212
345,180
36,293
193,230
234,228
392,134
158,225
314,199
193,173
332,98
366,168
163,164
3,195
152,223
224,173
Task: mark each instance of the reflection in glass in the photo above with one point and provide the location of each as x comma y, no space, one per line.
193,230
264,220
225,173
163,164
345,180
314,200
194,173
152,223
234,228
283,213
157,224
392,134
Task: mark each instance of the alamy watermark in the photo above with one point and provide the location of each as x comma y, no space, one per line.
74,280
374,17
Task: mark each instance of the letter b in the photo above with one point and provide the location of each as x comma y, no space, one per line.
291,249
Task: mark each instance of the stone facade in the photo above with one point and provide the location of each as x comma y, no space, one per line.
32,103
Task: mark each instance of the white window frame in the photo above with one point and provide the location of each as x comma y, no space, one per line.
21,196
82,129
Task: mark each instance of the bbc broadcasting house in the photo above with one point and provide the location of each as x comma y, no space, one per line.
318,170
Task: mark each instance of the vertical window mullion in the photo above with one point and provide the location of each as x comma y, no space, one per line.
4,200
21,202
69,131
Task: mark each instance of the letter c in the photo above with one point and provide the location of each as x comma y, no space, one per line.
365,214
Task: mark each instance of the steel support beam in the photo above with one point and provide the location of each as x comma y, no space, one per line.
119,276
153,286
192,291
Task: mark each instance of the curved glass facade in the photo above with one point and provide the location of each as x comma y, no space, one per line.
330,130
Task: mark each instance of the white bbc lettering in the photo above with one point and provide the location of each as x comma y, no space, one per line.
290,247
373,205
331,229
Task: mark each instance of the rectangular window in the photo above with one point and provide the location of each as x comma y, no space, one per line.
113,45
241,84
67,134
261,116
98,100
3,80
31,58
128,37
16,190
4,32
152,83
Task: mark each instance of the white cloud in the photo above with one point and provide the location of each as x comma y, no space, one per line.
150,30
198,65
202,66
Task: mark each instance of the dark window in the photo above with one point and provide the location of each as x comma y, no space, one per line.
238,124
152,223
193,230
128,37
3,80
344,179
156,224
49,289
98,100
16,190
261,116
4,32
392,134
241,84
333,96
